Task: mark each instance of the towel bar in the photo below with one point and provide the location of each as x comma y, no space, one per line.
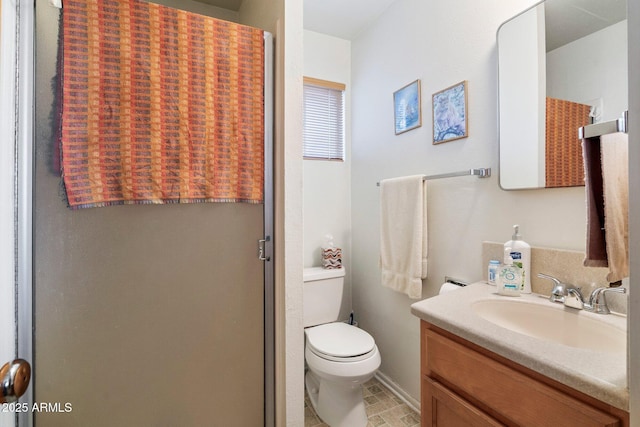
480,173
599,129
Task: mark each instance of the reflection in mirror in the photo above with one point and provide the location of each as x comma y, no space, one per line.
562,64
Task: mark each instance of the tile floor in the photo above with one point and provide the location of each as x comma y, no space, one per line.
384,409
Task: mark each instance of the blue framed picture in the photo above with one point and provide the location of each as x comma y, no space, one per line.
407,107
450,113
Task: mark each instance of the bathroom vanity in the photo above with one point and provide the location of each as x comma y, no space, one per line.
479,372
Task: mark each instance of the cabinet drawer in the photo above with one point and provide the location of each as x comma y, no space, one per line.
509,395
443,408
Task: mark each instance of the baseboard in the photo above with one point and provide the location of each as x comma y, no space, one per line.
395,389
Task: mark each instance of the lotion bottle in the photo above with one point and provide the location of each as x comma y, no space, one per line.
509,277
521,254
492,271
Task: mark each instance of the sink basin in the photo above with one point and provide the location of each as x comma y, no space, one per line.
557,324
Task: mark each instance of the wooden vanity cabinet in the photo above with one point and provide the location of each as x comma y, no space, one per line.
464,385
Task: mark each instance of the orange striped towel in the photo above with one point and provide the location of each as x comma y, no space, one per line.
159,106
563,151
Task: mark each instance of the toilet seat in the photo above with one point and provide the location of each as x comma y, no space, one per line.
340,342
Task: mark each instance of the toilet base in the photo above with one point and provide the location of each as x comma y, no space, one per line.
338,404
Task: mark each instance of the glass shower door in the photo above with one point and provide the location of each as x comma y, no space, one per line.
144,314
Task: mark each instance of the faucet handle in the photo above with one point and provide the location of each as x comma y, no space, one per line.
546,276
598,302
558,292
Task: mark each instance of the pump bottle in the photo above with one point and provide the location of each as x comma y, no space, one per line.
521,254
509,277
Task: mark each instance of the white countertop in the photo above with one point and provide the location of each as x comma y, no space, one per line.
598,374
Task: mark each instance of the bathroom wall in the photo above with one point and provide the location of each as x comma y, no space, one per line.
441,43
576,63
327,184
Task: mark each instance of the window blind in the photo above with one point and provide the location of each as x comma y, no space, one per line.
323,120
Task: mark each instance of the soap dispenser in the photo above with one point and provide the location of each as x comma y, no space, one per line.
521,254
509,277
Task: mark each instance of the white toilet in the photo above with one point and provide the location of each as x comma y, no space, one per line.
340,357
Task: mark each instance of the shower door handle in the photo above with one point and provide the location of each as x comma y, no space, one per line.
14,380
261,249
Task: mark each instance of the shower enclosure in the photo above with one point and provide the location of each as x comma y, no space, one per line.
147,314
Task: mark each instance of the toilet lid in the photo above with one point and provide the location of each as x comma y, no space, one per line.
339,340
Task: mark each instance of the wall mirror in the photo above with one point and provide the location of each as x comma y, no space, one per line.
562,64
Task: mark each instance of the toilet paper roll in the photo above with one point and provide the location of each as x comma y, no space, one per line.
448,287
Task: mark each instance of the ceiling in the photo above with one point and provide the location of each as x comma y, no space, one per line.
569,20
345,19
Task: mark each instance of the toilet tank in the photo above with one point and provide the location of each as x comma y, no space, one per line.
322,295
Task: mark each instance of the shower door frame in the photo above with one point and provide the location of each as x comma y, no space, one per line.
24,210
269,270
25,104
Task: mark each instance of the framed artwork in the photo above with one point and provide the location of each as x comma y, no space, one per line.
450,113
407,107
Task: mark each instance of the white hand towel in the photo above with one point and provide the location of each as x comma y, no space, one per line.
403,234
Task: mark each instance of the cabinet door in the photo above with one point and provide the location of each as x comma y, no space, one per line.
494,385
443,408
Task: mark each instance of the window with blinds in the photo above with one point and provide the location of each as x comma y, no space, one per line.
323,120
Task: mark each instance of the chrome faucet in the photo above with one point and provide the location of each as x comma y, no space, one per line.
597,300
572,297
559,291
